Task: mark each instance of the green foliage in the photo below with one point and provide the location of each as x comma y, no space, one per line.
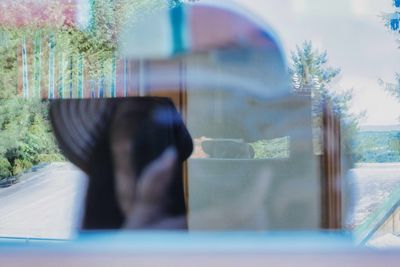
97,44
19,165
5,168
8,64
395,142
377,147
309,70
311,76
272,149
25,136
393,89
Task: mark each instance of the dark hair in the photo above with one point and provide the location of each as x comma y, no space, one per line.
160,126
102,210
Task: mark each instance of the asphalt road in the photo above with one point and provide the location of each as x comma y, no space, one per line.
44,204
370,186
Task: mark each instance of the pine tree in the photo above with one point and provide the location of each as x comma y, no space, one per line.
312,76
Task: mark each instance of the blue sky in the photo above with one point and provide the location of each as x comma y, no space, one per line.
356,40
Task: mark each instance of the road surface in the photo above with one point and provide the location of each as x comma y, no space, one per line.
43,204
370,185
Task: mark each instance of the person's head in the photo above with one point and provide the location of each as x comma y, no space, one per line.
119,138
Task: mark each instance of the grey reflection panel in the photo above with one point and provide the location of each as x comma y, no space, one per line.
229,191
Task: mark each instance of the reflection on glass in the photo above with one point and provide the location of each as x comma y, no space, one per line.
272,149
124,146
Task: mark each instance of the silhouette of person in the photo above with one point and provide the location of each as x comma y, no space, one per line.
132,150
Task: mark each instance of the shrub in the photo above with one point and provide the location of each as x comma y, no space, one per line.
5,168
25,136
20,166
47,158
